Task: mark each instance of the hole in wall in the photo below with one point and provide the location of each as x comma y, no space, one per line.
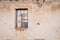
38,23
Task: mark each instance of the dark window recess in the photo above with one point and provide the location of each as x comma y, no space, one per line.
22,18
26,24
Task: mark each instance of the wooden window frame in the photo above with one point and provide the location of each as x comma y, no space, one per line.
20,28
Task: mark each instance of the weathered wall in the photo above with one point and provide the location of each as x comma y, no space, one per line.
7,22
48,16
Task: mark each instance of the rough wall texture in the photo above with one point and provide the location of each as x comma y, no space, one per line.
48,16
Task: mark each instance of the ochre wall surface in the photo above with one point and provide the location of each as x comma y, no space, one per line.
48,17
